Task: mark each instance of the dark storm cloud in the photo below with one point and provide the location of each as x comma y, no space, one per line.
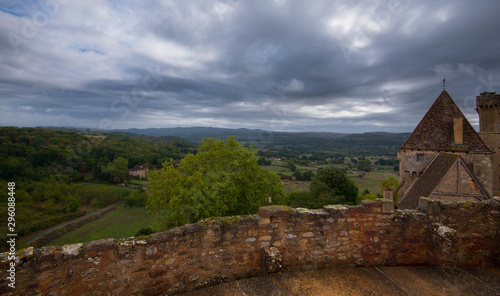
275,65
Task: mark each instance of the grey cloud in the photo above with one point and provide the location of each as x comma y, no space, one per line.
247,63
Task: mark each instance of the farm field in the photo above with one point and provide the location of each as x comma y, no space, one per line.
372,180
303,186
139,182
120,223
100,186
277,169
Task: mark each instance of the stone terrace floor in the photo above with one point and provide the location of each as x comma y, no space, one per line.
394,280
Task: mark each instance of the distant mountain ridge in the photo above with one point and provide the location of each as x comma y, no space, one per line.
195,134
370,143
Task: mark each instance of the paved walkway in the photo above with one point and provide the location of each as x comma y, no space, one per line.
394,280
31,238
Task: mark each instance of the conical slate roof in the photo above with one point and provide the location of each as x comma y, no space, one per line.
435,130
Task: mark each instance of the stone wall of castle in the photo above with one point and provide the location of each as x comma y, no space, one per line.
488,108
279,238
412,164
483,169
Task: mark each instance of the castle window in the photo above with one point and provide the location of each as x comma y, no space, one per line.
420,157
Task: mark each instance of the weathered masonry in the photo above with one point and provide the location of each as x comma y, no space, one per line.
278,239
445,158
488,108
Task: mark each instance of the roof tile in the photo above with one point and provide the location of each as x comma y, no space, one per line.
435,130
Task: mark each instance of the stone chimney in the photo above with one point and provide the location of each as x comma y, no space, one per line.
388,194
458,130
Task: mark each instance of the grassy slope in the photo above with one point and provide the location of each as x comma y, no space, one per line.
122,222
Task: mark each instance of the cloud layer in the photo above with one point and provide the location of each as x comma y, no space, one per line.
282,65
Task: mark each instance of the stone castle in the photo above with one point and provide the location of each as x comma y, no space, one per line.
446,159
443,161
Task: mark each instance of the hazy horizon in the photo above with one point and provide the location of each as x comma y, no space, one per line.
207,127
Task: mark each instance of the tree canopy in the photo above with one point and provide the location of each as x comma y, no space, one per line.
332,186
223,178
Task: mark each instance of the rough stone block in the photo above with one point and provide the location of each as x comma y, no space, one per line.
272,260
160,237
336,210
275,211
429,206
72,250
445,244
100,245
387,206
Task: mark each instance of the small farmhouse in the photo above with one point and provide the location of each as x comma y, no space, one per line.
139,170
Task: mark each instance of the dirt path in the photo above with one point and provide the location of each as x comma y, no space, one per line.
34,237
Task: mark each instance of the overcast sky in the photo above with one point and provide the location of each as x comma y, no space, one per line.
338,66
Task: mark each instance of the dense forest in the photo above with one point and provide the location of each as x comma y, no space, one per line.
32,154
49,168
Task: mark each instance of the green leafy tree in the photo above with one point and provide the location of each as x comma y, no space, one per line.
364,165
301,199
263,161
367,196
332,186
117,170
50,207
72,203
223,178
136,199
298,175
307,176
291,165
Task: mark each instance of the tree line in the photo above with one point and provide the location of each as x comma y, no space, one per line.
33,154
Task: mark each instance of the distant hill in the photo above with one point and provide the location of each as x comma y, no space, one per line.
373,143
195,134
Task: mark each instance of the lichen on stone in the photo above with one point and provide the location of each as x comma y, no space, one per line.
72,250
311,211
95,260
446,231
336,207
272,260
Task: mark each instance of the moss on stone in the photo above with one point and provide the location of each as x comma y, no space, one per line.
225,220
276,208
473,205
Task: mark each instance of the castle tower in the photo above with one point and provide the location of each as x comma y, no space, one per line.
443,157
488,108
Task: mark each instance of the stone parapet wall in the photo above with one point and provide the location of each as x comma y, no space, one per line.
464,233
279,238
